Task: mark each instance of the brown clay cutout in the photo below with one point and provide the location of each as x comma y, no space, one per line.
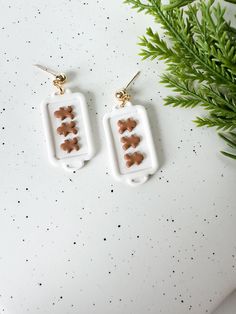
70,145
67,128
128,124
64,112
132,159
131,141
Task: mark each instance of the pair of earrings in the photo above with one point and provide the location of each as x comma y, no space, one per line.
70,140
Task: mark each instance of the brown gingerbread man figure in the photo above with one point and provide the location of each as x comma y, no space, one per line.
128,124
130,141
64,112
133,159
67,128
70,145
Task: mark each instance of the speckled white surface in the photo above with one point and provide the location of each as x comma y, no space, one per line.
82,243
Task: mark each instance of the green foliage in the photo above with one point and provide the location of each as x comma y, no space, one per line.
230,139
176,4
180,3
231,1
201,59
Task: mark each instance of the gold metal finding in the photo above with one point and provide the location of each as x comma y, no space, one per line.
122,95
59,80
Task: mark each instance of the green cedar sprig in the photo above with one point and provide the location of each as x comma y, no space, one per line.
201,59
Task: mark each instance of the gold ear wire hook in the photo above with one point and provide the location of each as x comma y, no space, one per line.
59,80
134,78
123,95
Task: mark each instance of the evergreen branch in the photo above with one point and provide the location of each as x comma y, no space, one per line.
218,123
201,60
228,155
230,142
231,1
192,97
180,3
179,101
167,22
140,6
230,139
176,4
155,47
220,98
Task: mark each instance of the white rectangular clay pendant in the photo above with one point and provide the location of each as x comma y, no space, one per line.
130,144
67,128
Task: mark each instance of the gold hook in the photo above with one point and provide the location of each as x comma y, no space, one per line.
134,78
123,95
59,80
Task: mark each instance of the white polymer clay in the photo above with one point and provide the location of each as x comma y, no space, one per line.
58,157
136,174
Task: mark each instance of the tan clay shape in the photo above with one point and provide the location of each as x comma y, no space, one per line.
132,141
128,124
132,159
64,112
67,128
70,145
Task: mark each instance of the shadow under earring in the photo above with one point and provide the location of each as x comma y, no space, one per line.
129,140
67,126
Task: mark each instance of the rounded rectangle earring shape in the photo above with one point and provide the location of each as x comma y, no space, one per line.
67,128
129,140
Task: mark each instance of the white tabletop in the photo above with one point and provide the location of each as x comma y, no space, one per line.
83,243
